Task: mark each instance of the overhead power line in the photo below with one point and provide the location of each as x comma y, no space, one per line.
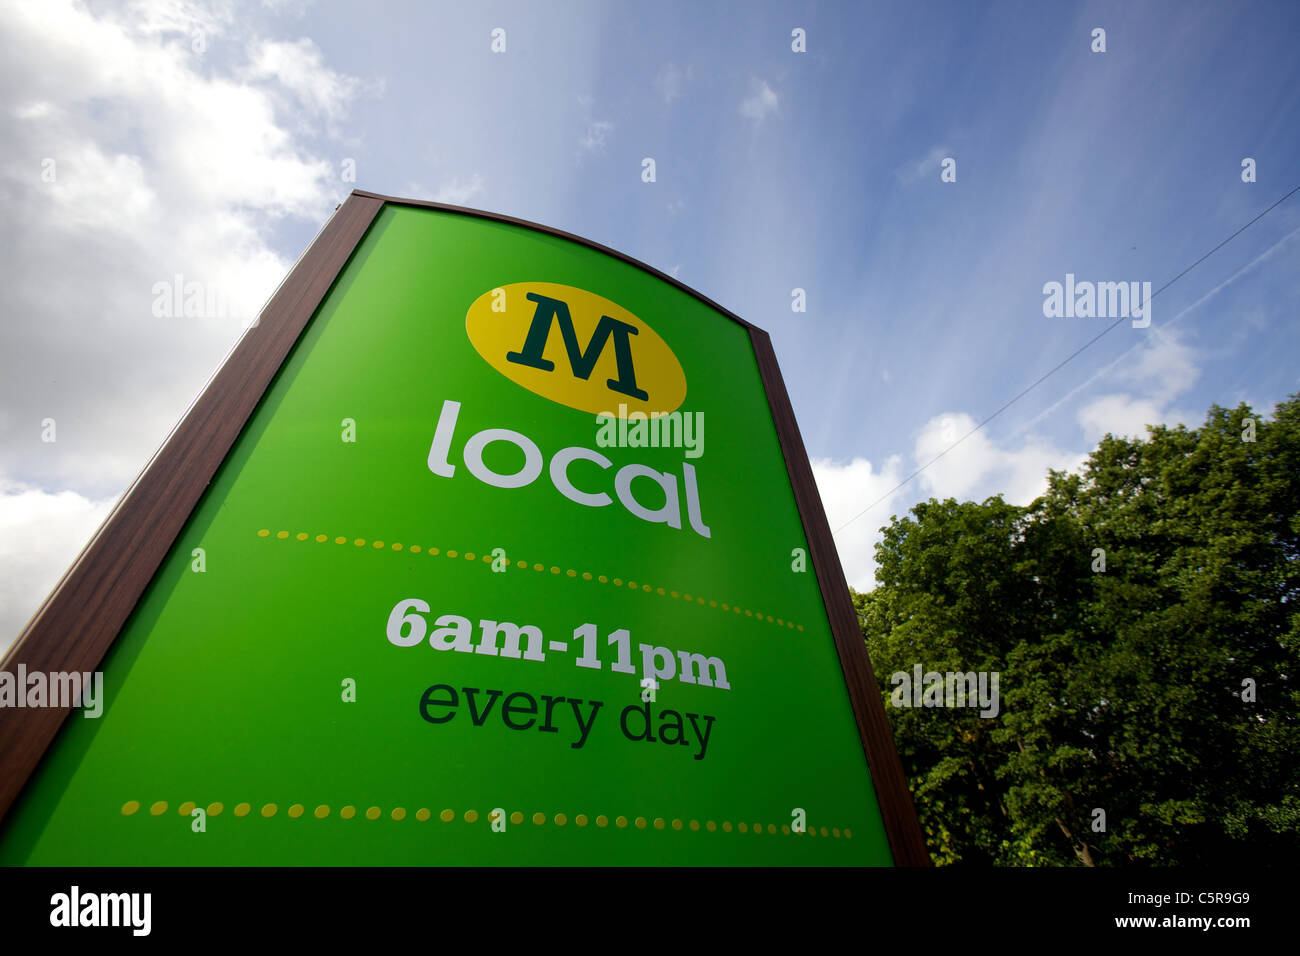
1042,378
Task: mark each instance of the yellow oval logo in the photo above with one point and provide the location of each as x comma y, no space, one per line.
576,348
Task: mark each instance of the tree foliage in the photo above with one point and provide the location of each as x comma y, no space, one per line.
1124,690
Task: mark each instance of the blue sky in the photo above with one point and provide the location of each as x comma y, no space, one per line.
774,170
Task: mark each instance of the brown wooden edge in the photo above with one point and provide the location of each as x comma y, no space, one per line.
901,823
82,617
560,234
115,568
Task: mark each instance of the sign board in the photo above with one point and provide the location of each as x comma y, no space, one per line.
487,545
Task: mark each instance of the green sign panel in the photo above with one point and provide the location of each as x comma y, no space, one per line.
505,567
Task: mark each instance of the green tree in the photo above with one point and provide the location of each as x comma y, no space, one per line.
1132,612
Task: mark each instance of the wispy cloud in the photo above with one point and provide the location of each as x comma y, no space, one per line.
981,466
456,192
597,135
671,81
1109,369
1154,375
761,102
928,165
301,72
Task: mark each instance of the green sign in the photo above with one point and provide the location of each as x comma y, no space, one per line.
507,566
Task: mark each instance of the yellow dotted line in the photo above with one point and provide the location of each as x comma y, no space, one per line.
586,575
132,807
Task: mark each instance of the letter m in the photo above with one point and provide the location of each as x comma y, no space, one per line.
962,688
65,689
510,646
711,671
119,905
1116,299
582,362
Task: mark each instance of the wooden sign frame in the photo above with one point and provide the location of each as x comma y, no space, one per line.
78,623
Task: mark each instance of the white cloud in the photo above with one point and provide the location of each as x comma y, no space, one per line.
34,110
457,193
596,135
167,161
156,17
973,470
927,165
845,489
294,8
671,81
94,190
40,536
761,102
207,172
1158,371
1119,415
1166,365
978,467
299,68
455,190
